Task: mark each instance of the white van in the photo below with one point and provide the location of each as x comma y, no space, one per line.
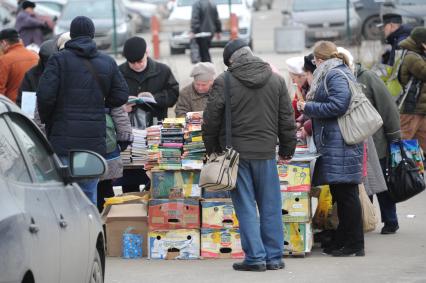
180,18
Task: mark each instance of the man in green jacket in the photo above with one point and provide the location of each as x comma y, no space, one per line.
413,110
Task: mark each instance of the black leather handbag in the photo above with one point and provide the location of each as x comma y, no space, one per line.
404,180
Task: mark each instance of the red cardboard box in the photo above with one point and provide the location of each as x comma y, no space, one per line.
166,214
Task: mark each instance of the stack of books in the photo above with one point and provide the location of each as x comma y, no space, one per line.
171,144
139,147
193,149
153,136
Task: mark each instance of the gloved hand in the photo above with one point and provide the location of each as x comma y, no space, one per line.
123,145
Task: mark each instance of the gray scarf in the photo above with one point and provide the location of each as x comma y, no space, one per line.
319,75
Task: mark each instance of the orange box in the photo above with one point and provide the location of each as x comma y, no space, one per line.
166,214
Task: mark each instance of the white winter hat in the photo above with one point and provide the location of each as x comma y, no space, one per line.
295,65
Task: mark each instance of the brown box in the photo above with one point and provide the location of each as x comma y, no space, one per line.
118,219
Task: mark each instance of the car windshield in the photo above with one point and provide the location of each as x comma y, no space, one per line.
90,9
316,5
218,2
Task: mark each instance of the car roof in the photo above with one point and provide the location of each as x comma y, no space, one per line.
6,105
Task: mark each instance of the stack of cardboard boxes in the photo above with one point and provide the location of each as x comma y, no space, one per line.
295,183
174,215
220,236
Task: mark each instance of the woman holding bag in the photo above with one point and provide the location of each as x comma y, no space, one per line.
340,164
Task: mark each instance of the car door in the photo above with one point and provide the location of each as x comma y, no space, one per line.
43,245
69,216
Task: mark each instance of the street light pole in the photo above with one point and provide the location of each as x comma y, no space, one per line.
114,29
348,27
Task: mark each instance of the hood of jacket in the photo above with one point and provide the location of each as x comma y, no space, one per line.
251,71
83,46
410,45
400,34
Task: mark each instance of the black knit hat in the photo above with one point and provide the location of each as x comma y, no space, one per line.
308,66
134,49
9,33
390,18
82,26
230,48
28,4
418,34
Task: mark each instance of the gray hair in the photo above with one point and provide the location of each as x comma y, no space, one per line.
244,51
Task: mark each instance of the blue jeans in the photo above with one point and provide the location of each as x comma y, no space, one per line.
387,205
89,187
262,237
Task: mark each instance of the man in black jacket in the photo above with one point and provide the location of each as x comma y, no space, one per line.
70,100
205,19
261,114
145,78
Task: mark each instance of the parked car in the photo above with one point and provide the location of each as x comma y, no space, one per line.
325,20
257,4
55,5
7,20
144,11
369,13
101,14
180,18
49,230
413,12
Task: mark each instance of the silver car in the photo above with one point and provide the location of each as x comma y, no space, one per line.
325,20
49,230
100,11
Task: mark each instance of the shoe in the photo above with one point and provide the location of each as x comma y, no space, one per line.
241,266
345,252
329,249
275,266
389,229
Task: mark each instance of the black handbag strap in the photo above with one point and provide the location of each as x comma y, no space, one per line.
228,129
95,75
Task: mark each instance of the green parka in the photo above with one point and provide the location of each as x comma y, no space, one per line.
414,64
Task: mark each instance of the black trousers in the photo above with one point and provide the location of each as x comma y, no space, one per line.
104,191
350,232
204,44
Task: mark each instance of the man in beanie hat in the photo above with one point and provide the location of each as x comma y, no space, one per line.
194,96
145,78
76,88
205,19
14,63
394,32
28,25
413,111
261,114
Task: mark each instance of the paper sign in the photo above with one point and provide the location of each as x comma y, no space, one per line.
28,103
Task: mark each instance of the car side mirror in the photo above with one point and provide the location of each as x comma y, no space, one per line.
84,164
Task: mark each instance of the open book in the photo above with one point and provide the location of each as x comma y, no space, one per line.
142,100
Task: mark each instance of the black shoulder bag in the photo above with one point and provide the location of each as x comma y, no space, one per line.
404,181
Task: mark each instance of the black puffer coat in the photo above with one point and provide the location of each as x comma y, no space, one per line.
71,102
157,79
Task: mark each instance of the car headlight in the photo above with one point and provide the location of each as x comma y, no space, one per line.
122,28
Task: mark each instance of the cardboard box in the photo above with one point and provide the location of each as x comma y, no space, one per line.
175,184
221,243
118,219
218,214
295,176
167,214
174,244
298,238
296,206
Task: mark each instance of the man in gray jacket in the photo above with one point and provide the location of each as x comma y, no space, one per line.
261,114
205,19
